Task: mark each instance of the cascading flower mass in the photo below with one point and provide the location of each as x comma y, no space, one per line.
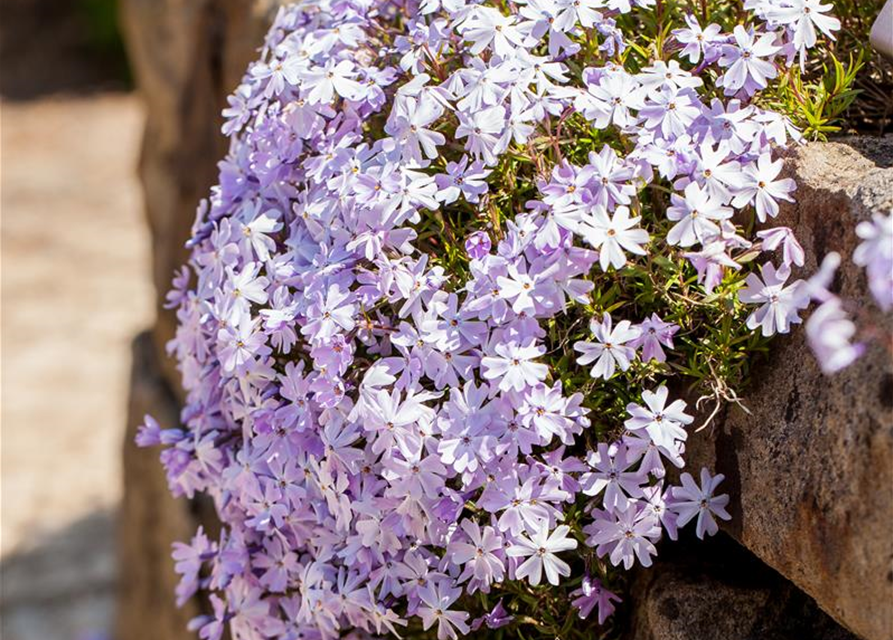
459,254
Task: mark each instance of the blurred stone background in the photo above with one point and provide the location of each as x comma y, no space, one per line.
76,288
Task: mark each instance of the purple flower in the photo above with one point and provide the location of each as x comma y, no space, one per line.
494,619
625,535
690,501
592,594
511,364
829,332
875,253
654,334
664,424
747,70
791,251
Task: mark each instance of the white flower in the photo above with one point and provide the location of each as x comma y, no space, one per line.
695,214
540,550
489,27
611,235
407,126
335,77
609,350
781,305
761,187
663,424
747,69
802,17
484,130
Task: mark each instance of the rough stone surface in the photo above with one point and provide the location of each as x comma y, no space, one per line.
719,591
810,469
150,518
186,57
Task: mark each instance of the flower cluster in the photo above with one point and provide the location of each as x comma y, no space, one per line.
394,399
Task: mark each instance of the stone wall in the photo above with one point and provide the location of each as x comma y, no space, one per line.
810,469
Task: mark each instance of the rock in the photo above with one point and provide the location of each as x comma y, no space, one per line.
186,58
719,591
810,469
151,518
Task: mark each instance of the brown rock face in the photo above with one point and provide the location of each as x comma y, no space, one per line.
186,57
151,518
810,471
715,590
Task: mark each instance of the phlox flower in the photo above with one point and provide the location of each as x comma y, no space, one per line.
625,535
336,77
478,554
612,473
718,175
612,235
460,178
670,111
540,549
664,424
697,40
512,365
690,501
484,132
408,128
609,350
711,262
489,27
695,215
654,334
761,187
329,313
496,618
437,597
780,304
672,75
611,100
803,17
875,253
791,251
592,594
829,332
747,70
477,245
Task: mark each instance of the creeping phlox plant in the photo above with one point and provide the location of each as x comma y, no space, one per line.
463,259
